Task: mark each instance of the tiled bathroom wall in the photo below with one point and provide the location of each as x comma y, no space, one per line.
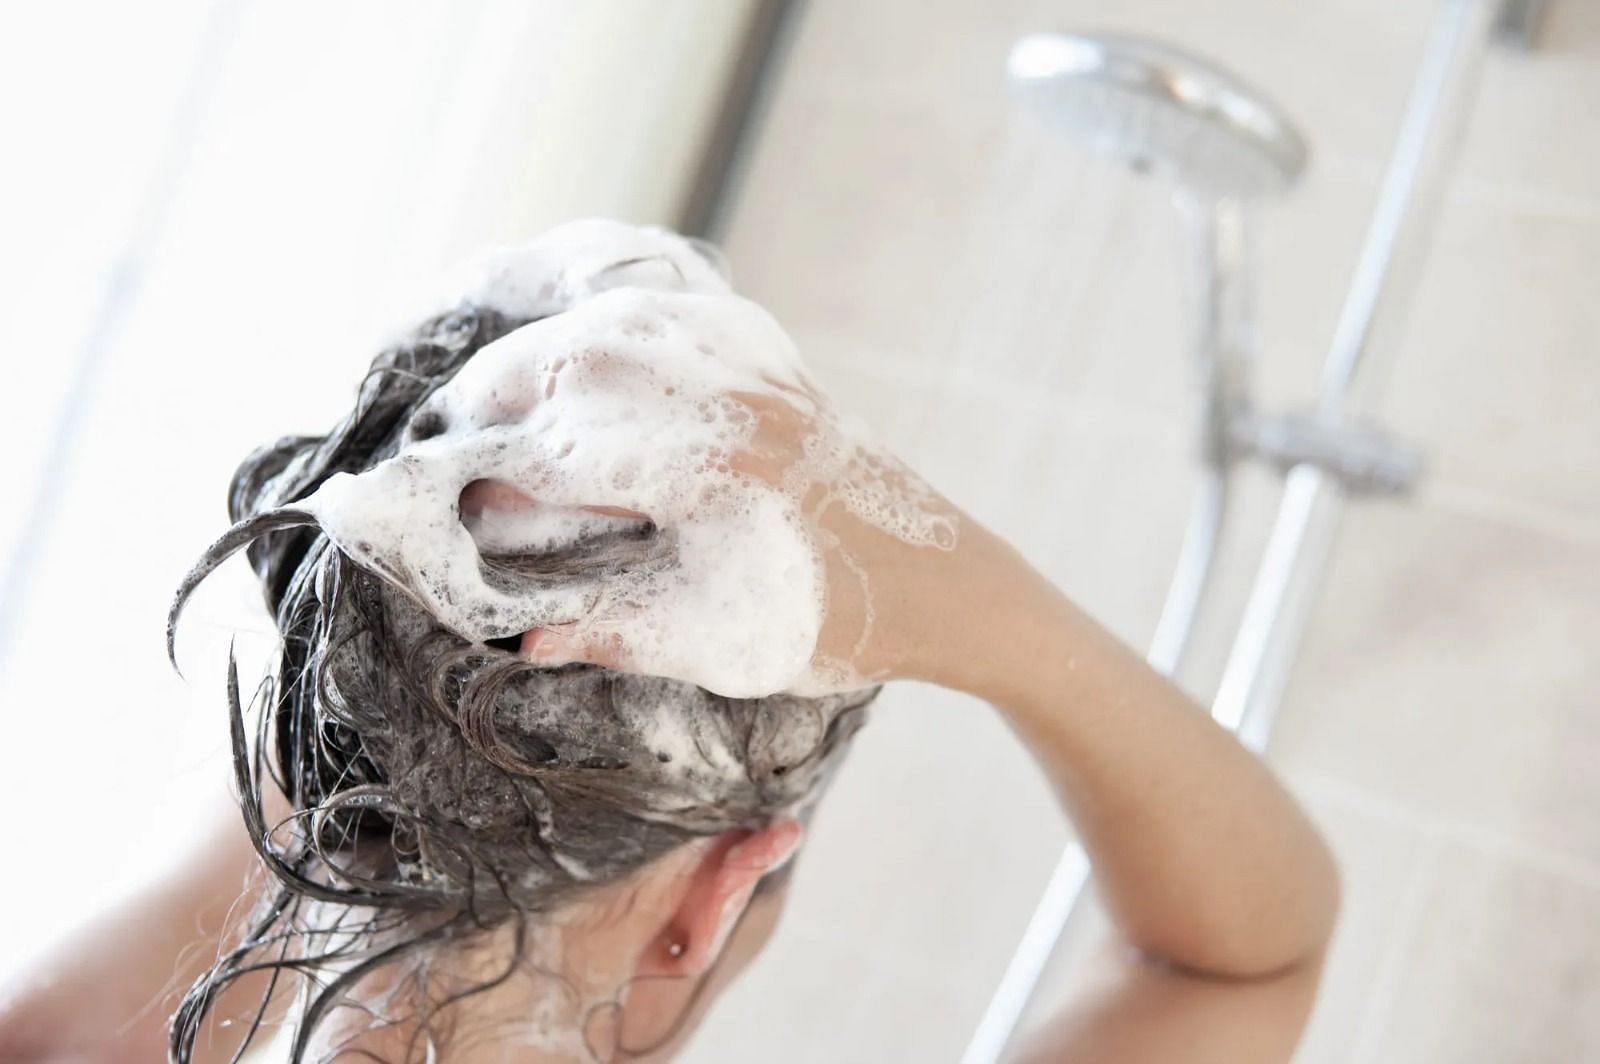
1009,315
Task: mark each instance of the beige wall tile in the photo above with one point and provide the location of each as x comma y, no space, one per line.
1385,865
1538,115
943,55
1499,371
852,224
1341,69
1502,968
1450,668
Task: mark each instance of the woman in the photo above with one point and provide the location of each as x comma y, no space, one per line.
580,608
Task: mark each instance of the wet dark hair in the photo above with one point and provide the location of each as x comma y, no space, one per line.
439,789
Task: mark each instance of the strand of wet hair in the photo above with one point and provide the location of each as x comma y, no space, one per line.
235,539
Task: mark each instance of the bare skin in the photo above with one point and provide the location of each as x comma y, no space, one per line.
1123,1009
1205,863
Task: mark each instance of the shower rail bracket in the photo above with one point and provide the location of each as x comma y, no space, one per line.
1364,460
1518,22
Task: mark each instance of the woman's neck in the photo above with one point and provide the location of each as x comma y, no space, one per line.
487,1002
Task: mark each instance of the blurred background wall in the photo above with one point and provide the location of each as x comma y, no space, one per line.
213,212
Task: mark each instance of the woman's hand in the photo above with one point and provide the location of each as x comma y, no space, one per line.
762,542
891,553
803,556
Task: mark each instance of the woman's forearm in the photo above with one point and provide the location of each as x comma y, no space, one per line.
1202,857
1118,1011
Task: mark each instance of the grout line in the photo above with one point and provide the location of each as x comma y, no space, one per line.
1347,169
1122,417
1382,990
1524,199
1474,502
1481,840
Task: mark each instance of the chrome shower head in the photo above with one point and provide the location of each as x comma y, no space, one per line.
1159,110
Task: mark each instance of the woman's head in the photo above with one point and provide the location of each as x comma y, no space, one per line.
441,791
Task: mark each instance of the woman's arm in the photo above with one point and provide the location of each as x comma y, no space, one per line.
1119,1010
1203,859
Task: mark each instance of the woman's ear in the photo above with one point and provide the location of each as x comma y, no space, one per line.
719,889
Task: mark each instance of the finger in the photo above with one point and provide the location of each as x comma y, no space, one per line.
486,496
617,511
551,647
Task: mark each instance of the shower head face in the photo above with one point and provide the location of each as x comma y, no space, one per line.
1159,110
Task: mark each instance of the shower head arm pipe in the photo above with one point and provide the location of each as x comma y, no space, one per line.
1221,246
1220,243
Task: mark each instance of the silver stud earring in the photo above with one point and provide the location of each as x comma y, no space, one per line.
674,949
